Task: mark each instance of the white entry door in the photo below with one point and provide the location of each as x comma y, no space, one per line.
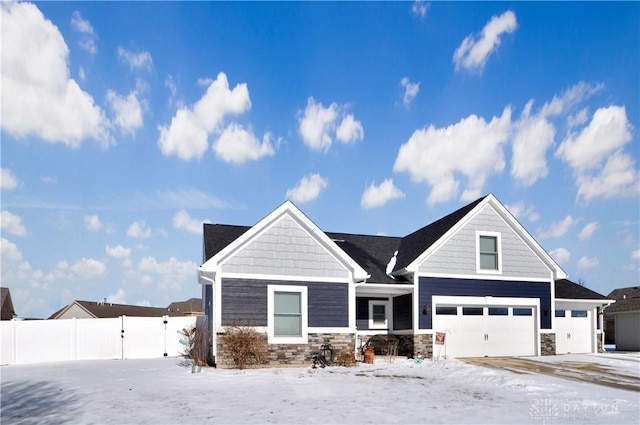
481,331
573,331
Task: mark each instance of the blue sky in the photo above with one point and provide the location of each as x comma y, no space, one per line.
127,125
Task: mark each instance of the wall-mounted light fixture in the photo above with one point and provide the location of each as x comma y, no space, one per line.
426,309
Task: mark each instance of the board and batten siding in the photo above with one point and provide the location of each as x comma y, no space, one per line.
430,286
458,254
285,249
244,302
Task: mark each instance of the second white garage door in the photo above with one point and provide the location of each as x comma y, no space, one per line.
477,331
573,331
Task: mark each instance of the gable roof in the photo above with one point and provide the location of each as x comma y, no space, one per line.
236,237
627,300
192,305
566,289
414,244
217,236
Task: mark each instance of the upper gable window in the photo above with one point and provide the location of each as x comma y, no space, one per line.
488,249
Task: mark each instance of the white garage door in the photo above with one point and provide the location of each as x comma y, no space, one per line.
573,331
477,331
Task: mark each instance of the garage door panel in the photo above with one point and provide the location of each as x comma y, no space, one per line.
495,332
573,332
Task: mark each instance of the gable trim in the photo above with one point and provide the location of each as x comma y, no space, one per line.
555,269
287,209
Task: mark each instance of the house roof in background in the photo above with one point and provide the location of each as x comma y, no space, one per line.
627,300
103,310
6,304
566,289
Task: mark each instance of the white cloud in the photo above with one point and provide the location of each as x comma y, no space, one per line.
557,229
410,90
127,111
12,223
187,135
92,222
238,145
472,148
587,231
139,229
561,255
472,54
608,131
316,124
182,220
308,188
635,255
118,298
377,196
587,263
601,168
534,135
419,8
49,105
118,251
8,180
87,268
49,179
171,273
84,26
136,61
349,130
519,210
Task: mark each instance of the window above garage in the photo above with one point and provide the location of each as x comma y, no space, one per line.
488,252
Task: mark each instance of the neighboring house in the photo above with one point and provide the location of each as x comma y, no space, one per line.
623,318
6,305
103,309
475,275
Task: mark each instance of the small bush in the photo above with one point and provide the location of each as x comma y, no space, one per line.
245,345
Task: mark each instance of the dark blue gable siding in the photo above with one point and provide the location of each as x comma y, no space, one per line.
244,301
430,286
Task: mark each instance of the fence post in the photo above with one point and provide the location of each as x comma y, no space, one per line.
165,319
122,320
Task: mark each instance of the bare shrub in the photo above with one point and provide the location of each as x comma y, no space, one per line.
245,345
346,359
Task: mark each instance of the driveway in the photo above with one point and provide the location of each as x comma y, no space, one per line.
586,368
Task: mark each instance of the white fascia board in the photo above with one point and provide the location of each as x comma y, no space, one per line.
288,208
558,272
587,301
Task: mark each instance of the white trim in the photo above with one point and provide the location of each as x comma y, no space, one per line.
321,330
372,324
304,309
485,277
282,277
579,301
498,238
484,301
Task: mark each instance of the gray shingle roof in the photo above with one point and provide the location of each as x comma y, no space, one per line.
567,289
627,299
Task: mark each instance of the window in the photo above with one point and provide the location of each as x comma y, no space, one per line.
522,312
560,313
472,311
378,315
449,311
488,248
287,314
578,313
498,311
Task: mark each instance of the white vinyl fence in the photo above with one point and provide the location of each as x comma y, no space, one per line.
35,341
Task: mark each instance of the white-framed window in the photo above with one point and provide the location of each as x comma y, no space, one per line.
378,311
488,252
287,315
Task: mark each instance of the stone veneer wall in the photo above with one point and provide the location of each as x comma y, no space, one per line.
547,344
599,345
423,344
292,354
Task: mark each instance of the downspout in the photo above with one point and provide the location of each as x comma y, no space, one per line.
212,319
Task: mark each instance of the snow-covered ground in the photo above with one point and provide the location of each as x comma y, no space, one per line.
163,391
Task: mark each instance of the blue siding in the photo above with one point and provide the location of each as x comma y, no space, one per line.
430,286
402,312
244,302
362,311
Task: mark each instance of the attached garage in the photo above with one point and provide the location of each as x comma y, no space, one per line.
486,327
573,331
